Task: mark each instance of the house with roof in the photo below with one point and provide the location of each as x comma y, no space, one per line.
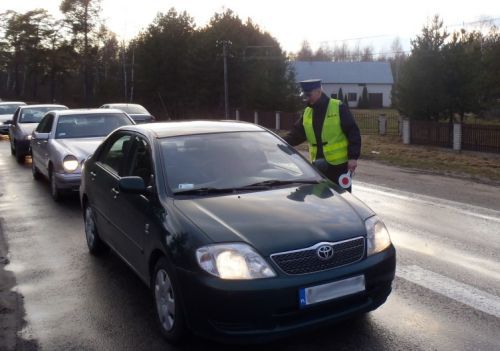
352,77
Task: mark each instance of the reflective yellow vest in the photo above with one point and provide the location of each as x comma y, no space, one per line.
334,140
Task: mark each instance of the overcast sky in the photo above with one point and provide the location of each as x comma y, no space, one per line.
291,22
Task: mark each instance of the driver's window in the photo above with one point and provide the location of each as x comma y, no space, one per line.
16,114
45,125
141,161
115,153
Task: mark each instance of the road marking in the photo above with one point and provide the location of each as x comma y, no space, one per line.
471,210
463,293
439,251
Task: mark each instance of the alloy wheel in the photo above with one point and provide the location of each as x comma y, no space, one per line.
165,299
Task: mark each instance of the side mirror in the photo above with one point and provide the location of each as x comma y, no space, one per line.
40,136
132,185
8,122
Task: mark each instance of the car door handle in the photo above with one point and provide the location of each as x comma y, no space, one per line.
115,192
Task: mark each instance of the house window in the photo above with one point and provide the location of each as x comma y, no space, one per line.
352,97
333,96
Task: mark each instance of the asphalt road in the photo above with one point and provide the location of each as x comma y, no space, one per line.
446,294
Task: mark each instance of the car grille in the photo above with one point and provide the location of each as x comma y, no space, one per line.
307,260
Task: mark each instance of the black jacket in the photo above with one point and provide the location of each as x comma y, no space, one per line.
298,135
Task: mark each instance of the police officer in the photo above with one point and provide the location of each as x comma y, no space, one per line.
330,130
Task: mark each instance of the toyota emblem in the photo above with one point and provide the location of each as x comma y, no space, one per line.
325,252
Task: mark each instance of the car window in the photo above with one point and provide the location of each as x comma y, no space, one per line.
141,162
16,114
35,114
45,125
89,125
8,109
115,153
225,160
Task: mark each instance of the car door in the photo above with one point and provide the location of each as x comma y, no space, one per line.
136,218
39,143
104,195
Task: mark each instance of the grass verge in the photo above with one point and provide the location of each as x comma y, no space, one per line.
390,150
483,167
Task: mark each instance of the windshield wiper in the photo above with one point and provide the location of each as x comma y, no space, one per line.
277,182
204,191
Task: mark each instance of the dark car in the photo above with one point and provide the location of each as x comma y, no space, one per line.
138,113
236,234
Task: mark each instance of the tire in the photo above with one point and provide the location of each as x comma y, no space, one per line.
34,171
12,150
17,154
55,192
94,243
20,158
168,304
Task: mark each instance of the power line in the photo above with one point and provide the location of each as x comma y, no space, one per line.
486,21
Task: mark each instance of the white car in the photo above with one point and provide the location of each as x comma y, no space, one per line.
7,110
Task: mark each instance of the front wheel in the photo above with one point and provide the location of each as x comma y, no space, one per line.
169,311
94,243
36,173
55,192
19,156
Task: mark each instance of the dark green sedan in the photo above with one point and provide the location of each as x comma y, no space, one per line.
237,235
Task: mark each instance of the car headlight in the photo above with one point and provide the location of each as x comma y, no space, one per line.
377,236
233,261
28,137
70,163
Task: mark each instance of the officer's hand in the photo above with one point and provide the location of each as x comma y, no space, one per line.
351,166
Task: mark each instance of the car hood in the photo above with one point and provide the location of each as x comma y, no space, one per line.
79,147
4,118
27,128
279,219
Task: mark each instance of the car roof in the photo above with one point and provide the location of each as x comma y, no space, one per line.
179,128
41,105
12,102
121,104
83,111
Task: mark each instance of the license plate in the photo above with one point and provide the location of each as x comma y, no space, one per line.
330,291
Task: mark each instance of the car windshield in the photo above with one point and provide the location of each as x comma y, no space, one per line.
132,109
232,160
8,109
89,125
35,114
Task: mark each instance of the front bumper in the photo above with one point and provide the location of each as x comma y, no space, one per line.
68,181
268,308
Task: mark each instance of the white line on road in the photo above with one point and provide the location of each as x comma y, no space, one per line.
457,291
471,210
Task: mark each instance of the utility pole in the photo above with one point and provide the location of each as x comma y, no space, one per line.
225,44
124,71
132,76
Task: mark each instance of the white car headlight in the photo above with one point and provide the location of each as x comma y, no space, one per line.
377,237
28,137
233,261
70,163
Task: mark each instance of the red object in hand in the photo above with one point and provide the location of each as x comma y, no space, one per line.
345,180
